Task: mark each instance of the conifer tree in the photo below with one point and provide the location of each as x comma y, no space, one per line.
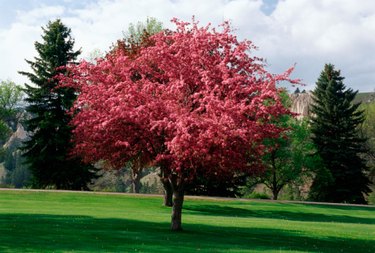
47,152
334,125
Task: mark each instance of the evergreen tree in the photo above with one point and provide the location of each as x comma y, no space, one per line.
334,126
47,152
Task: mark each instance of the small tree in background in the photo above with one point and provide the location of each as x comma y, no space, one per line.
136,33
368,131
10,97
290,158
334,124
194,102
47,150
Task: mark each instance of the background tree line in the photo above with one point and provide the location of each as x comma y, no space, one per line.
302,157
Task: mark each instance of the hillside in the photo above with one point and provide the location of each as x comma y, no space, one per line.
365,97
301,102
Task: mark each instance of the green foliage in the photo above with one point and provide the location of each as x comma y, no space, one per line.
136,32
334,123
258,195
17,172
5,132
10,97
367,130
81,222
47,150
291,158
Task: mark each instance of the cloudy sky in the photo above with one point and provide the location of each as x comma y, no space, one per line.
308,33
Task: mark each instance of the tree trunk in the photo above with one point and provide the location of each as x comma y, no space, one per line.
168,193
178,200
275,188
275,194
136,173
136,180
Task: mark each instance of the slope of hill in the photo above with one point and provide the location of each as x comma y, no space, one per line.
365,97
301,102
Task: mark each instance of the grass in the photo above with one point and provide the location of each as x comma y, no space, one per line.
81,222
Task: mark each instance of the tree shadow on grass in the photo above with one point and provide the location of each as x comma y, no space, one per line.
340,207
217,210
55,233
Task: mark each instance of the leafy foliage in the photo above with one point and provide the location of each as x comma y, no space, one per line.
137,32
367,130
47,150
291,158
10,97
335,120
17,172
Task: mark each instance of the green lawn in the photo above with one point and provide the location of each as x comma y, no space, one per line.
88,222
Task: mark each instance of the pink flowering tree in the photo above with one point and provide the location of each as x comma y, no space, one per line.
193,101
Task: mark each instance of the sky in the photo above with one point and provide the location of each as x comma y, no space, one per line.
303,33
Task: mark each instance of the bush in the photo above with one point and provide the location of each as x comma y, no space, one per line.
258,195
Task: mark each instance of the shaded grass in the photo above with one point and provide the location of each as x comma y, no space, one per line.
77,222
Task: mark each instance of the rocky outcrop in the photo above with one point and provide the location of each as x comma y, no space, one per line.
19,134
301,104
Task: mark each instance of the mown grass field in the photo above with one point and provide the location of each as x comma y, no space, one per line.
88,222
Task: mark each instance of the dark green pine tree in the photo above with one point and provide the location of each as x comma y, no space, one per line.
47,152
334,125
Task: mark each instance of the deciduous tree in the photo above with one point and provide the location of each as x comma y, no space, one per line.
10,98
291,157
368,131
193,102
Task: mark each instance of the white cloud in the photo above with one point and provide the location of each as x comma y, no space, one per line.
312,33
40,14
16,44
309,33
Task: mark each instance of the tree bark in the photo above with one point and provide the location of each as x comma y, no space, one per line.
167,185
275,194
275,189
178,200
136,180
168,193
136,173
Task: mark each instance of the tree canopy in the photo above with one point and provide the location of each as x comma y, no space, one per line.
194,101
10,98
291,157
